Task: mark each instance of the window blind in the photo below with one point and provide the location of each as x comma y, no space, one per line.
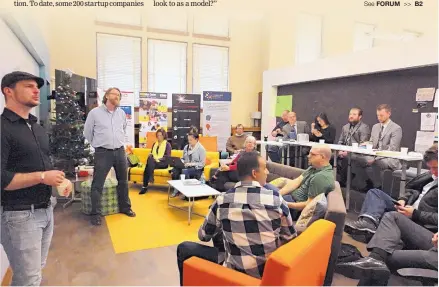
308,38
167,64
119,63
210,69
363,36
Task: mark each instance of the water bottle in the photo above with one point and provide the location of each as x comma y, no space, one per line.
202,179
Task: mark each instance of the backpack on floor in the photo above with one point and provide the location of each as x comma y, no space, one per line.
348,253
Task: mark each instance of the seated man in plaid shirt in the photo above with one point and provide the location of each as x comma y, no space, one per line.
246,223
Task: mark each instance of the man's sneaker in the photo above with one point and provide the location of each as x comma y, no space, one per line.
96,220
361,226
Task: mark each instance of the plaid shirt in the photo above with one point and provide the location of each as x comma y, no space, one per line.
254,222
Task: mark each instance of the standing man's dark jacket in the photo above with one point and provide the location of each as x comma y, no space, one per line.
427,211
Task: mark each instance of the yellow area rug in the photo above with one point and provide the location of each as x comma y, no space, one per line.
156,223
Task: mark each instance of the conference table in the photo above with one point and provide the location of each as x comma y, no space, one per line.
404,158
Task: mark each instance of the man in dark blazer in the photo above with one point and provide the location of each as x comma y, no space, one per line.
274,152
356,131
406,237
291,130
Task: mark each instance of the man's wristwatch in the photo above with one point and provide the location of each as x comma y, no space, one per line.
42,177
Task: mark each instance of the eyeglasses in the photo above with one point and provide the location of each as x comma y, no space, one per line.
313,154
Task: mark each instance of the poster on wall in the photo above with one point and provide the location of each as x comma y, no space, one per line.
185,113
284,102
153,114
217,116
127,105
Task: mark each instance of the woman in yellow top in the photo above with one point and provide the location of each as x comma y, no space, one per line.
157,159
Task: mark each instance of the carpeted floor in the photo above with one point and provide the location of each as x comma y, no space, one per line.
156,223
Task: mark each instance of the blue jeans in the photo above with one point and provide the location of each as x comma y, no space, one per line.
376,203
26,237
192,172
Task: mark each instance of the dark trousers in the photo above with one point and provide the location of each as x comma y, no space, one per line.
151,164
188,249
189,172
376,203
295,214
104,161
395,232
223,177
342,170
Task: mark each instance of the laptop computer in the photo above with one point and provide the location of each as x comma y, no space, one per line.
174,161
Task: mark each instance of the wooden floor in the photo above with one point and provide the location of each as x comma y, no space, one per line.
82,254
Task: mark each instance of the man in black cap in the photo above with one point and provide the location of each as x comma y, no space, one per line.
27,177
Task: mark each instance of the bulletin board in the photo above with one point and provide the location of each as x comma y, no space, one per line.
335,97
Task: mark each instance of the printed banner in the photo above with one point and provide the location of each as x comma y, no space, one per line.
127,105
217,116
185,113
153,114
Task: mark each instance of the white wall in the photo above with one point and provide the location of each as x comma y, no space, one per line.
420,52
15,57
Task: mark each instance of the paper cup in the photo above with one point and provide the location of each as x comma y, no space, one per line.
355,145
404,150
62,187
322,141
182,176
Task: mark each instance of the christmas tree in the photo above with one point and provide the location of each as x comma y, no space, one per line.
67,142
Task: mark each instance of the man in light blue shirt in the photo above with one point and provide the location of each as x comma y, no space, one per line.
105,131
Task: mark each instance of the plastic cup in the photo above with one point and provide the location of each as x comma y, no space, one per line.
355,145
62,187
182,176
322,141
369,146
404,150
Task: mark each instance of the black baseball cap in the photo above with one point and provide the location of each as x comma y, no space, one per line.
10,79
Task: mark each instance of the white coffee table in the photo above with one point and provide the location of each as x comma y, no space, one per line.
191,192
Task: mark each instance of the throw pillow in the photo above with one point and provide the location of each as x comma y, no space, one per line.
133,160
279,182
314,210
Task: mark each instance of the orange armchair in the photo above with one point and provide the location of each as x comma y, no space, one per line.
301,262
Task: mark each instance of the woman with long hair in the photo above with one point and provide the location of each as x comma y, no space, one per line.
321,129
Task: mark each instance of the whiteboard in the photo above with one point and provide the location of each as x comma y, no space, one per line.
14,57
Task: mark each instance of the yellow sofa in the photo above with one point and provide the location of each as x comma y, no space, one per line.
161,176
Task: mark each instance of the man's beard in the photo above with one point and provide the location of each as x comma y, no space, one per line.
354,123
115,103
